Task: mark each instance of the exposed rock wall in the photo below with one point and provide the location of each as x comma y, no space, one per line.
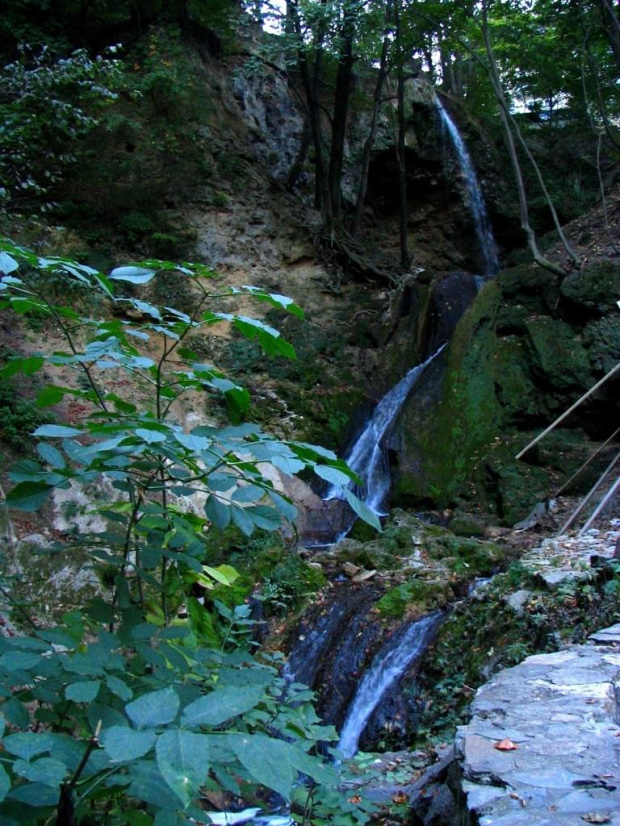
527,348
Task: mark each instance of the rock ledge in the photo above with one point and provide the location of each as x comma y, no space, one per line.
562,712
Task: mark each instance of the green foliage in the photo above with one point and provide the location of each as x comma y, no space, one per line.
132,705
46,106
416,596
18,419
291,581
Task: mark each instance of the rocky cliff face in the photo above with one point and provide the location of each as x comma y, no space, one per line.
528,347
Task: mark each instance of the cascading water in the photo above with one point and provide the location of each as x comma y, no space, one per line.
334,650
390,662
368,457
475,198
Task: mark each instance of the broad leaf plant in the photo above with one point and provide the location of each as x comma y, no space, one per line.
124,713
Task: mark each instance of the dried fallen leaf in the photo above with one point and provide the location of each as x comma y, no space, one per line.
400,797
355,799
505,745
596,817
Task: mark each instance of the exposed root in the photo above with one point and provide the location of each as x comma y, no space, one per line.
340,252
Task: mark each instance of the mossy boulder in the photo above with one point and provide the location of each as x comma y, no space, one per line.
557,358
460,554
413,598
517,358
595,288
602,338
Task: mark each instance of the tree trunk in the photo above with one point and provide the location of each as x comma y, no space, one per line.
512,151
342,94
300,159
310,82
376,105
402,126
611,25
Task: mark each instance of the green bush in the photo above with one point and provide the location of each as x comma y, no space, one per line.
19,418
142,698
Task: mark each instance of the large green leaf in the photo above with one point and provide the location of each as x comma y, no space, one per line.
51,455
118,687
147,786
267,760
50,395
18,660
55,431
154,709
83,692
135,275
221,705
217,512
242,520
28,496
7,264
183,760
35,794
28,744
362,510
332,475
124,744
47,770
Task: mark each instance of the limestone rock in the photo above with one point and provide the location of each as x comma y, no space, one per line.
561,711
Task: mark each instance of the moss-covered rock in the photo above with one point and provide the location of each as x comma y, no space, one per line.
413,598
595,288
602,338
557,357
518,357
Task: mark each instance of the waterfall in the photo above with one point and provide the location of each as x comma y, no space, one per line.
367,457
392,660
475,198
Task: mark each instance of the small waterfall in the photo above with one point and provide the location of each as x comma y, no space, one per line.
368,457
475,198
391,661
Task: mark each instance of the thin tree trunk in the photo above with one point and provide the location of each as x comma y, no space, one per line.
300,159
344,79
368,145
402,126
311,85
512,152
611,24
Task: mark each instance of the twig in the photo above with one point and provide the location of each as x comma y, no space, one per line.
601,505
611,373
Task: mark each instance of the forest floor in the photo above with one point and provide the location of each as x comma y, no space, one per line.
594,236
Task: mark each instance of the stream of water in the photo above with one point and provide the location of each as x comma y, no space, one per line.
367,456
334,649
477,206
391,661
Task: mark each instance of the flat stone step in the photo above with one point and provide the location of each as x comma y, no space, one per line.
560,766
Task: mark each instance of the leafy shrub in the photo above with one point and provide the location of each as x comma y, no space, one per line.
131,707
46,106
19,418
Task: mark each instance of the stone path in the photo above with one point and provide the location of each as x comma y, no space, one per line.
559,717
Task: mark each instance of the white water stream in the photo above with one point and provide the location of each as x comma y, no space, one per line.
477,206
390,662
368,457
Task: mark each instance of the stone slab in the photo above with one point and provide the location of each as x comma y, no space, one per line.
561,711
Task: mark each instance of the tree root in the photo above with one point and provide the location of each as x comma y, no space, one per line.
341,252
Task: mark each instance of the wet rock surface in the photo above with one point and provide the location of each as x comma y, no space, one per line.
543,744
